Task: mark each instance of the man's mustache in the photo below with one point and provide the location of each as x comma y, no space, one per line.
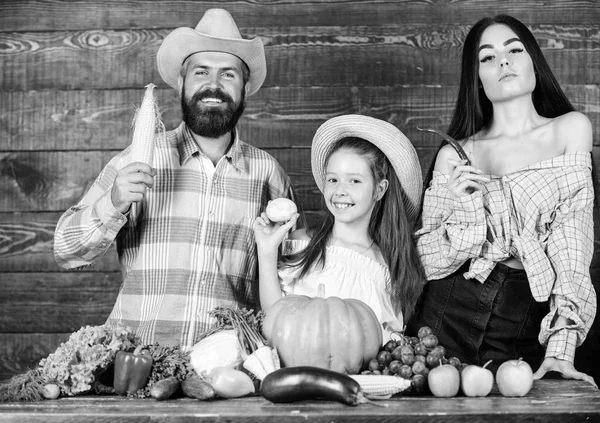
212,93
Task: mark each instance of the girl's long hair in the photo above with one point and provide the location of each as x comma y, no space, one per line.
389,227
473,111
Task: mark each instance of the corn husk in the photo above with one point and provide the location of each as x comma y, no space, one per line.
147,125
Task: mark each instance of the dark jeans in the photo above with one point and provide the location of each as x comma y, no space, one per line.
496,320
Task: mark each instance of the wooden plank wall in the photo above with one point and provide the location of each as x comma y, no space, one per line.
73,71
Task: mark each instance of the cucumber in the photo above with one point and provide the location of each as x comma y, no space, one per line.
165,388
193,386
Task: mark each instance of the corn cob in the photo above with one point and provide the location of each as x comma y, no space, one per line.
381,385
147,123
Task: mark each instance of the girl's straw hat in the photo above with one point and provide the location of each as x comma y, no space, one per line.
216,31
385,136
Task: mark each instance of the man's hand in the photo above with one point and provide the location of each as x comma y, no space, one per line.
130,185
564,367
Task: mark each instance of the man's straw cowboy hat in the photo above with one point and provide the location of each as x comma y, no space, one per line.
216,31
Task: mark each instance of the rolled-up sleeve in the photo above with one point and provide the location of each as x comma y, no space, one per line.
85,231
453,229
570,249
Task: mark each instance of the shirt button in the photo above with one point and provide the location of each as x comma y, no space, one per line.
202,282
564,208
212,213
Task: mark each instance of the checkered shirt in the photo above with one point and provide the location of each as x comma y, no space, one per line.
188,247
541,215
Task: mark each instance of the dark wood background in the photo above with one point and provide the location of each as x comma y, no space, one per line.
72,73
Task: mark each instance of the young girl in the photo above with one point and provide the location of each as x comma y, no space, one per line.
370,177
506,242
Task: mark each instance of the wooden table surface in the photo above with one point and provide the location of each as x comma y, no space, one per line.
548,401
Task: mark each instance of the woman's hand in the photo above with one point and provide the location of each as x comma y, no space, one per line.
564,367
269,235
464,180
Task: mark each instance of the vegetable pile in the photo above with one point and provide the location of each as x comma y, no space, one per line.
227,362
75,367
412,358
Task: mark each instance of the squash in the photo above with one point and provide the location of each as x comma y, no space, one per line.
331,333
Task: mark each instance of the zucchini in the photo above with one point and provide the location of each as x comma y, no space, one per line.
299,383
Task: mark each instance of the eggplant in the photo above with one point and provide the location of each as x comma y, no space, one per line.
300,383
451,141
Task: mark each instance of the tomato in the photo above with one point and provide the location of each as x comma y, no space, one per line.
418,367
374,364
424,331
406,371
384,358
430,341
420,348
390,345
394,366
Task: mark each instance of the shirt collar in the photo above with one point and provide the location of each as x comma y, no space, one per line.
187,147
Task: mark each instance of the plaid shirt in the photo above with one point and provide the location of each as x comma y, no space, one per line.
541,215
188,247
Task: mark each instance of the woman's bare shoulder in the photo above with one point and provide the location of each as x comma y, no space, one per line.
574,129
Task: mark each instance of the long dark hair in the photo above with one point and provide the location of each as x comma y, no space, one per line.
389,228
473,110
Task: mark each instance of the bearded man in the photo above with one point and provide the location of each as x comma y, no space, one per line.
184,226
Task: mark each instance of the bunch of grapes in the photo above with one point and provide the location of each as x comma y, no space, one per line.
411,358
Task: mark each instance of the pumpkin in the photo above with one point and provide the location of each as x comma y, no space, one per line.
331,333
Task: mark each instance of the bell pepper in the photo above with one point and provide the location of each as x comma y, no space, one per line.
131,370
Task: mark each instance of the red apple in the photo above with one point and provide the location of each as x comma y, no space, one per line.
444,380
476,381
514,378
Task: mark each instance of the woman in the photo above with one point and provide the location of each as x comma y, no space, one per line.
507,235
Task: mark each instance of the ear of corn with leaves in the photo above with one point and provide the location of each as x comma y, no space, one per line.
381,385
147,124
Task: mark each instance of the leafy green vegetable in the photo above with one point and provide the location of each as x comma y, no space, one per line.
166,362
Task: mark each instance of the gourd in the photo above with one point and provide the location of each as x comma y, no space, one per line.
330,333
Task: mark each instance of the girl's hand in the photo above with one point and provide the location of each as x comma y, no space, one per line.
564,367
269,235
464,180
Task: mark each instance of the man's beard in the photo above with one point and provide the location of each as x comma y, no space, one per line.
211,122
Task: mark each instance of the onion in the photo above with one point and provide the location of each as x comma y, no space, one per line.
281,210
221,349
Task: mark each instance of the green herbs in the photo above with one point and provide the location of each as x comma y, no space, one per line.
76,363
28,386
166,362
74,366
230,318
